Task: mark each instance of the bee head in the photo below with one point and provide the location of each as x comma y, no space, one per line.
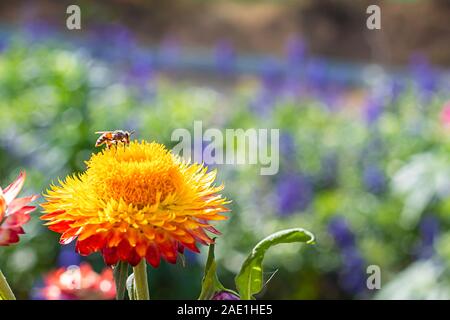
128,134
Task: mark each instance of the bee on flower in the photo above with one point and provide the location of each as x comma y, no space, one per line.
135,203
14,212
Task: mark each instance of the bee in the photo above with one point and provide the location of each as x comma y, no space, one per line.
113,138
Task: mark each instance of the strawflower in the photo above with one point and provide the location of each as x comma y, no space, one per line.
136,202
14,212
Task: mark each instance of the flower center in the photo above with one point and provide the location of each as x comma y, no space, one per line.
136,176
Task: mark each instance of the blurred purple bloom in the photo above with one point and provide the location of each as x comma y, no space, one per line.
272,82
112,42
3,43
225,295
122,37
169,52
288,148
340,230
225,57
374,179
38,30
330,96
317,74
352,275
36,292
272,75
263,102
294,193
141,69
424,75
373,109
396,88
295,52
68,256
295,60
429,231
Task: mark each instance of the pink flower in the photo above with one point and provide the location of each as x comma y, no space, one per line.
445,115
14,213
79,283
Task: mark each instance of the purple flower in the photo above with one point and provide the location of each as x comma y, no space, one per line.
374,179
141,69
225,57
68,256
3,44
429,230
295,52
263,102
225,295
272,75
272,83
317,74
340,230
294,193
113,42
288,148
330,96
395,89
38,30
352,274
373,109
424,75
169,52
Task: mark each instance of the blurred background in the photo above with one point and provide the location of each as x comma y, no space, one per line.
364,118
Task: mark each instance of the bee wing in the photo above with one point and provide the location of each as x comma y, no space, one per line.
101,132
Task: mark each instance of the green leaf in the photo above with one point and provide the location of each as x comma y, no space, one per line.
5,290
131,287
249,281
120,277
210,282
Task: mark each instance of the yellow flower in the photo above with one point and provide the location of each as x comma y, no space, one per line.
133,202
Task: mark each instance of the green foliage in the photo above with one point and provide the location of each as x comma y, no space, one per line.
210,281
249,281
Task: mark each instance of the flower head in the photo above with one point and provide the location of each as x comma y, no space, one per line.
133,202
78,283
14,213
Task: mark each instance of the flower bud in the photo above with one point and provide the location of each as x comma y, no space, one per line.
225,295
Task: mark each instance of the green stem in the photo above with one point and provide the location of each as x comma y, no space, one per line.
120,277
5,291
140,281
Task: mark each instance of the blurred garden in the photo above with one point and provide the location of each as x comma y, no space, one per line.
364,142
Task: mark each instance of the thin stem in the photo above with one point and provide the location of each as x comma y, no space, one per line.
120,277
5,291
140,281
